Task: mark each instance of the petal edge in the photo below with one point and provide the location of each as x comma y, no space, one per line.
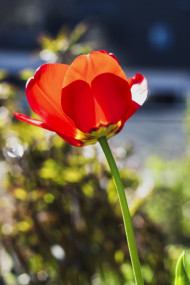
139,88
32,121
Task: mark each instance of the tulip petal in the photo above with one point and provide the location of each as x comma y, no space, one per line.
87,67
112,96
103,103
78,104
139,92
43,125
110,54
70,140
43,92
139,88
32,121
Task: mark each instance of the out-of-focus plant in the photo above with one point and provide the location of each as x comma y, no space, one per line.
3,74
62,48
169,206
78,102
66,45
59,211
182,276
55,203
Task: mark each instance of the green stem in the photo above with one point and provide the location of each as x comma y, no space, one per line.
125,211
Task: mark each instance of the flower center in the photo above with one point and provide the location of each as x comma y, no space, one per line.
95,134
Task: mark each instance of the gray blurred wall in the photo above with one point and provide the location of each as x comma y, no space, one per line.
22,21
145,32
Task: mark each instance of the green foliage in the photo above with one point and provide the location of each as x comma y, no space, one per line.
26,73
168,207
65,46
53,205
60,221
183,269
60,218
3,74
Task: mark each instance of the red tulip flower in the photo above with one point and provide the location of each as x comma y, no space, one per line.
86,100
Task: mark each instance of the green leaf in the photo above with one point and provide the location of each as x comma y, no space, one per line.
183,266
187,263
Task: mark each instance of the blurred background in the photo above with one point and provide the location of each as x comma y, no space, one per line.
60,221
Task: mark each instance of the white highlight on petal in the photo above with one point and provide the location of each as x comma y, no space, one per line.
27,82
139,92
32,77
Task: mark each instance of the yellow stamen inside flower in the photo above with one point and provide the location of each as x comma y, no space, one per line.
94,135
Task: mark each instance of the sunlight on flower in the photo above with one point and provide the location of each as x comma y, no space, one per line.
139,93
100,74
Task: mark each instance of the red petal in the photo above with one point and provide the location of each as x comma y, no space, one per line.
44,95
110,54
139,92
77,102
104,102
32,121
43,125
87,67
139,88
70,140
